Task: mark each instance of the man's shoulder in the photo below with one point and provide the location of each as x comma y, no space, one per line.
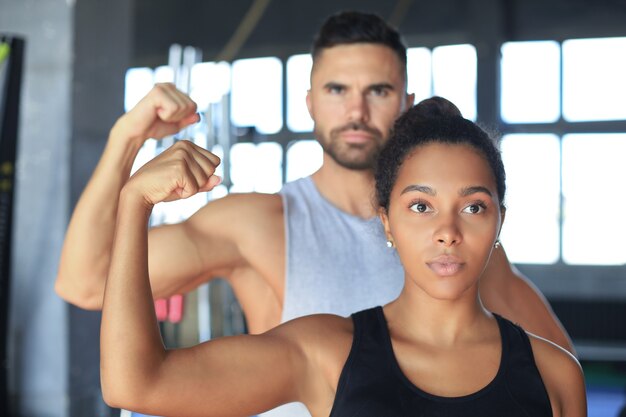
240,212
267,204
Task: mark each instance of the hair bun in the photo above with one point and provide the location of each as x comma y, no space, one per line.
436,108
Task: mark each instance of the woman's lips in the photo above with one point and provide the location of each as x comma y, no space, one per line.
445,265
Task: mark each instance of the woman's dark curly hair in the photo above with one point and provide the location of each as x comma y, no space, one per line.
434,120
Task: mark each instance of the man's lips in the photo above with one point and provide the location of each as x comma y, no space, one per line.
445,265
356,137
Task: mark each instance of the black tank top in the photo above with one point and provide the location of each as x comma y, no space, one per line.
372,385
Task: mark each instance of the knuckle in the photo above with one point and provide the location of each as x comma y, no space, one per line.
181,145
179,154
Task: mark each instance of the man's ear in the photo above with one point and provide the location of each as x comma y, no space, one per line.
409,100
309,106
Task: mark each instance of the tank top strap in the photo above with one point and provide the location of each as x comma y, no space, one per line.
515,343
522,379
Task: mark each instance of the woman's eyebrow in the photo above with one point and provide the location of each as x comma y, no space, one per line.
464,192
421,188
475,189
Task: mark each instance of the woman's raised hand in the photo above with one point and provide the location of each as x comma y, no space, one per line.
179,172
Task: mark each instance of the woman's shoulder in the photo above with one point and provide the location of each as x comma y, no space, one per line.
323,342
318,329
562,375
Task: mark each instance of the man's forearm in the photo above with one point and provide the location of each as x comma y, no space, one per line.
506,291
85,256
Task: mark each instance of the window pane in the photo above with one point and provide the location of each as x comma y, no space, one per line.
298,83
594,81
242,164
304,157
209,81
419,74
530,73
257,94
269,174
594,224
221,190
137,84
163,74
454,76
530,232
256,167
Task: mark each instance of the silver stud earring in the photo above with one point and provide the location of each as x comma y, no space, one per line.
497,244
389,244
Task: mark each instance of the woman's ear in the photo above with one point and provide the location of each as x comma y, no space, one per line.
502,216
384,219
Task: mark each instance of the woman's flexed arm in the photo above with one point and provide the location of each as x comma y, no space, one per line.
232,376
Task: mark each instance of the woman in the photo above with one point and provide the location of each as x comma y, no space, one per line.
434,351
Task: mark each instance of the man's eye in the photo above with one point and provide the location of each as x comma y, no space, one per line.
379,92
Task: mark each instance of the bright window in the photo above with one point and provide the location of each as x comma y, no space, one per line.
530,75
594,80
530,232
137,84
257,94
256,167
220,190
304,157
454,76
594,224
209,81
164,74
298,83
419,74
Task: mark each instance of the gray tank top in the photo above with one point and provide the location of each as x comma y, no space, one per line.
335,263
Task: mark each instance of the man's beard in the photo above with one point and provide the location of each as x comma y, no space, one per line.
352,156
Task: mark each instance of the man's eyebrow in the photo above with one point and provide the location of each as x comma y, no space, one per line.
333,84
384,86
421,188
475,189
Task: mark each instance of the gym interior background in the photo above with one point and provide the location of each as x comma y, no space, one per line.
547,74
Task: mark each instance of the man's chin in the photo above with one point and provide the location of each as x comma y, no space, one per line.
354,164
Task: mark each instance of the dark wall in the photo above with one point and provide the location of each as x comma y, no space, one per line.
101,56
37,342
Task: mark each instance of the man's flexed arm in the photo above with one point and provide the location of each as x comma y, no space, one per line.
86,251
506,291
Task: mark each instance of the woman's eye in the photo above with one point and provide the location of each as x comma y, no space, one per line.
474,209
419,207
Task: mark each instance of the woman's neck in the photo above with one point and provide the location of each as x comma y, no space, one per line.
418,316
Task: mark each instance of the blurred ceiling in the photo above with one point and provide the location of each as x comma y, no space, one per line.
285,27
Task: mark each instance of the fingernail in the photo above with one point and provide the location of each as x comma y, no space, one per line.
219,180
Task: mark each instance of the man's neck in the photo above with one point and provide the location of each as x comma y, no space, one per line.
350,190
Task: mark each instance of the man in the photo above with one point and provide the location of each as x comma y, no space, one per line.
316,247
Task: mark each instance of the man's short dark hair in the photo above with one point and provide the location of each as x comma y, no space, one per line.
352,27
